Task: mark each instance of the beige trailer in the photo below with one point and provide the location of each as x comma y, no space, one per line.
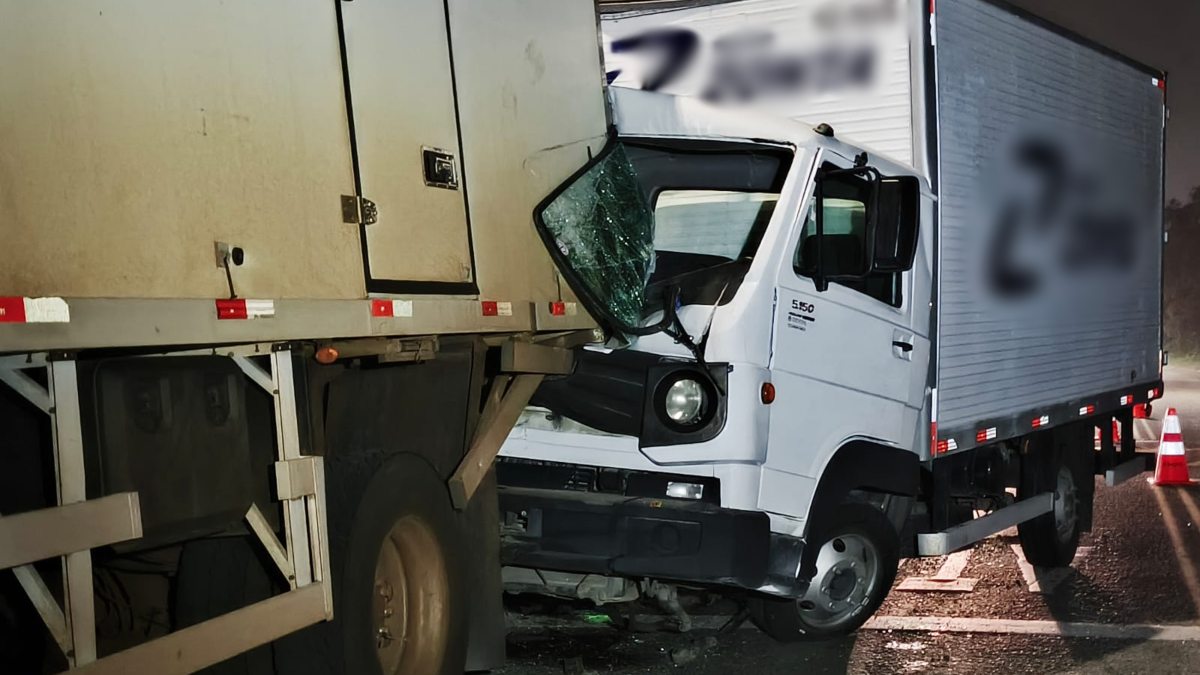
307,221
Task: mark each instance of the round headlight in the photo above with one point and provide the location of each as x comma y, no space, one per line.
684,401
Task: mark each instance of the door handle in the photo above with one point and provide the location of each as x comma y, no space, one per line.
902,344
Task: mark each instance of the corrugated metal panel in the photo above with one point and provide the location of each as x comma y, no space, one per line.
1051,161
810,60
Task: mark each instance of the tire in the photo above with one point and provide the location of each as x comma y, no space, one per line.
1055,463
855,570
396,548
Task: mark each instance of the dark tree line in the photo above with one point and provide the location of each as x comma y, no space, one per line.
1181,276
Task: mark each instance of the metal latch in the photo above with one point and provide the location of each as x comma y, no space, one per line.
439,168
359,210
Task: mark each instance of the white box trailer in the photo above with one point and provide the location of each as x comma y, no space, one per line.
825,343
954,89
253,250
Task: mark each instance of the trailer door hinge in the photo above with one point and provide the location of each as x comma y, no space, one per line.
359,210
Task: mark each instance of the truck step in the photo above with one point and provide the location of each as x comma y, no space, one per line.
965,534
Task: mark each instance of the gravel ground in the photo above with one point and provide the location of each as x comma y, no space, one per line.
583,652
1131,574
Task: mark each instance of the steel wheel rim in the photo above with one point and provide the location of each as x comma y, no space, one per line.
1066,505
410,617
848,571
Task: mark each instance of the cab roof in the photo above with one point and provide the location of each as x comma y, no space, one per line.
650,114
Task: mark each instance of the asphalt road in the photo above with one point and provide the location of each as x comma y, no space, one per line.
1130,603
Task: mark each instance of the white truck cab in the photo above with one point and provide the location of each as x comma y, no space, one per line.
819,356
775,355
764,418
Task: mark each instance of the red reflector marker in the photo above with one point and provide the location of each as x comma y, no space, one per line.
12,310
381,308
231,309
496,308
239,308
18,309
387,309
768,393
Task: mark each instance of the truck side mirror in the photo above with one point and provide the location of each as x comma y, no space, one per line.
845,248
896,223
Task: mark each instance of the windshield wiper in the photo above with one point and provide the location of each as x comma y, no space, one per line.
672,326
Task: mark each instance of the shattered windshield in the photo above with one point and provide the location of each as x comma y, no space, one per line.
603,227
663,212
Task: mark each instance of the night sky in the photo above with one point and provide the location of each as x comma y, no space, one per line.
1161,33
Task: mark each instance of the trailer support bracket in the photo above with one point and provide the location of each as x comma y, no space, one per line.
508,397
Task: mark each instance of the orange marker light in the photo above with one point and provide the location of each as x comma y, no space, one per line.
768,393
326,355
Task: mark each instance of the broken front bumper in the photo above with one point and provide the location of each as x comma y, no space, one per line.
667,539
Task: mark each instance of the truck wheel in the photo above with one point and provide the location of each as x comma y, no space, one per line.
396,557
1050,539
855,569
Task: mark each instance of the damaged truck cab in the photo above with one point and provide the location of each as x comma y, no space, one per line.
821,357
742,419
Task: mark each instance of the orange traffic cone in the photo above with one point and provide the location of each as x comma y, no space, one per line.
1172,467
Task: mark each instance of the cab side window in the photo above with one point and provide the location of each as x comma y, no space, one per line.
844,249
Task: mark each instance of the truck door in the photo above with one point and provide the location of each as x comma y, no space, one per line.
850,361
405,122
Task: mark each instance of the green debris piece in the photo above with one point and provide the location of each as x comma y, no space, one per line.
597,618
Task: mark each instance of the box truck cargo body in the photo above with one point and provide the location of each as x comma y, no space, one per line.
834,339
1045,151
252,251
